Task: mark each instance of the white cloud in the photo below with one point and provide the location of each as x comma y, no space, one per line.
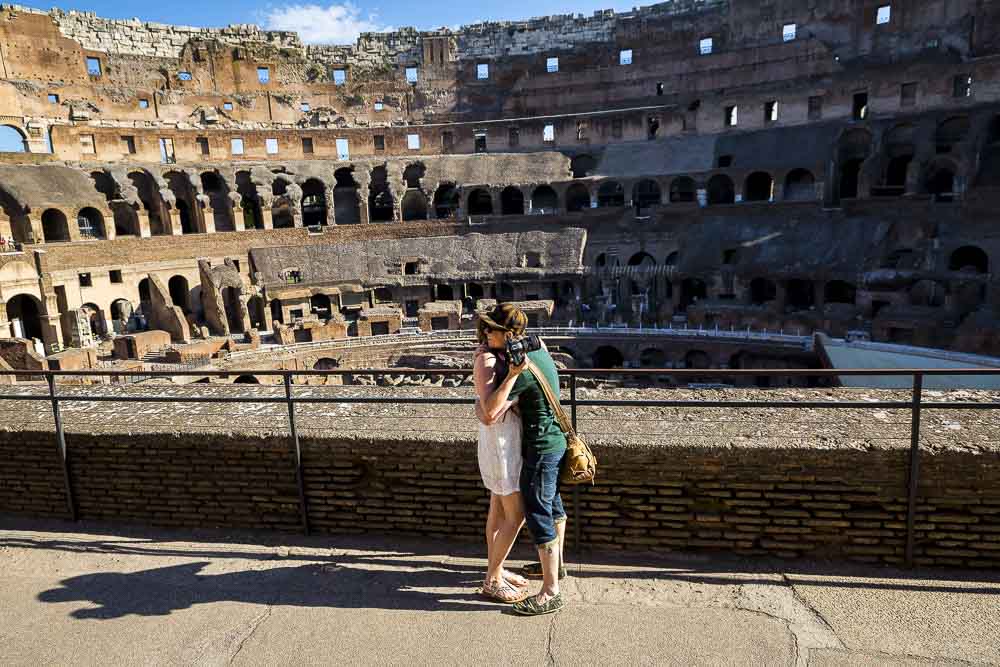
316,24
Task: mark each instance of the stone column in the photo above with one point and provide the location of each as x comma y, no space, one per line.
238,221
37,232
144,229
208,220
267,217
51,329
363,211
175,226
6,231
4,322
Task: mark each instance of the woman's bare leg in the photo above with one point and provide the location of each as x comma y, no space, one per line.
493,519
510,526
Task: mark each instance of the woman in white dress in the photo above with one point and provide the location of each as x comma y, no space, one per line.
500,466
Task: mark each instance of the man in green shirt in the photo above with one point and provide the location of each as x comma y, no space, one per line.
543,447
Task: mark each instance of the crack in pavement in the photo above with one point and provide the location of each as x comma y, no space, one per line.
254,625
805,603
550,658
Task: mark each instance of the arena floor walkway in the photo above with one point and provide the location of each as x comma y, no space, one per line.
99,594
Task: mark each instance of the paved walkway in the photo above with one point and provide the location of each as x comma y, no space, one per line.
98,594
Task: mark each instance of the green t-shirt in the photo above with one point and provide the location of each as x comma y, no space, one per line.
541,432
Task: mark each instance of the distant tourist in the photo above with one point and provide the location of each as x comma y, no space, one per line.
500,466
543,447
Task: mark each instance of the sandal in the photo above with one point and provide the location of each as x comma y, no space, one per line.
515,580
503,592
534,571
531,607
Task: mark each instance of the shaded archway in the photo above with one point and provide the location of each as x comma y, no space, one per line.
24,314
682,190
480,202
899,152
414,205
608,356
577,197
121,312
446,201
320,305
213,185
582,165
180,293
91,223
282,216
246,379
346,210
721,190
149,196
380,199
314,203
838,291
652,357
512,201
646,193
800,294
20,223
762,291
989,161
853,149
95,319
940,182
258,313
800,185
232,302
692,291
185,202
697,359
126,223
544,200
249,201
611,193
54,226
759,186
277,312
951,132
969,259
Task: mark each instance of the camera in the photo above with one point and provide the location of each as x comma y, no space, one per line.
518,349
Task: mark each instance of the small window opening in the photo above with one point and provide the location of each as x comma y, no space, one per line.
659,88
513,137
413,142
236,146
411,74
732,116
860,111
482,71
480,145
625,57
379,140
271,146
184,76
725,161
115,276
94,66
883,15
705,46
551,64
549,133
307,145
962,86
129,142
908,94
85,280
203,145
788,32
263,74
339,77
53,98
770,112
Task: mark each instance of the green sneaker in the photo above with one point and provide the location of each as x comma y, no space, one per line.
530,607
534,571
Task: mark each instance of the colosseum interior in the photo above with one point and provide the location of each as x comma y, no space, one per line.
181,197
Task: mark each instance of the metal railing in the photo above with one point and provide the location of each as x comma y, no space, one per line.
915,404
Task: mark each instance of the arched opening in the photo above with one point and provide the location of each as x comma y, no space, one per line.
126,223
505,292
480,202
446,201
577,197
413,173
838,291
54,227
721,190
314,203
180,293
326,364
95,319
682,190
759,186
24,315
184,213
544,200
232,301
899,151
91,223
184,199
12,140
19,222
149,196
850,173
258,314
611,193
414,205
444,293
692,291
989,161
853,149
582,165
281,207
277,312
249,201
642,278
800,185
800,294
321,306
346,210
604,260
941,183
145,295
512,201
246,379
652,357
969,259
607,356
217,190
762,291
380,199
121,313
672,259
697,359
895,175
646,193
475,290
950,133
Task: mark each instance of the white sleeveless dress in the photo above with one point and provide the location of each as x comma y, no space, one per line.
500,454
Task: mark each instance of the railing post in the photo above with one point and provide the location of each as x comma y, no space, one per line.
577,526
914,476
303,507
61,442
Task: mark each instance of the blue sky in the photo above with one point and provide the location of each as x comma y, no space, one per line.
325,22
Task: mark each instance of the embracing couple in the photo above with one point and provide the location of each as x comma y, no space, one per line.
521,448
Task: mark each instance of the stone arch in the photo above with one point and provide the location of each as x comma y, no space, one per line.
479,202
346,210
512,201
95,319
950,132
126,223
91,223
652,357
602,261
800,185
149,197
838,291
970,259
277,312
692,291
24,312
447,201
246,379
800,294
314,203
121,312
282,216
380,200
145,294
582,165
414,205
762,291
940,180
19,221
721,190
249,200
413,173
900,147
54,226
544,200
853,148
608,356
646,193
577,197
610,193
13,139
698,359
217,190
759,186
682,190
180,293
326,364
185,201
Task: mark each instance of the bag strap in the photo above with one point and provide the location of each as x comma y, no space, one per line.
565,423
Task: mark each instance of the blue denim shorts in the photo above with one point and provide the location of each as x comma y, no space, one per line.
543,506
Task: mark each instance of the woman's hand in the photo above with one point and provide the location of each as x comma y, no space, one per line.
514,371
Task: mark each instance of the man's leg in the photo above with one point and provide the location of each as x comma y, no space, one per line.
539,491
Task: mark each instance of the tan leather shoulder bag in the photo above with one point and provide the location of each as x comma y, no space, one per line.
579,465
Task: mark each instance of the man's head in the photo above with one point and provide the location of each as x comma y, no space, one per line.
503,323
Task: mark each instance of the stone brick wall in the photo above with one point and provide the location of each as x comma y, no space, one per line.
820,503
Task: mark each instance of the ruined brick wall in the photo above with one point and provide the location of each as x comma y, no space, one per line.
834,503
